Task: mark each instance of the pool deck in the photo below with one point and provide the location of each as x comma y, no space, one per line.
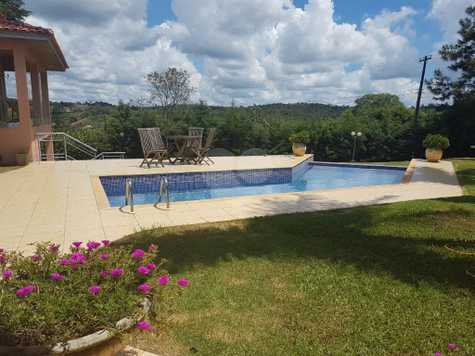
61,201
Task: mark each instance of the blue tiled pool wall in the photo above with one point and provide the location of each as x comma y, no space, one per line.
180,182
299,170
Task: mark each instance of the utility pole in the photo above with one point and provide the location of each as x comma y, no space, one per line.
418,105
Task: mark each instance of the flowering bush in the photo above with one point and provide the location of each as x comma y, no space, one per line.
53,297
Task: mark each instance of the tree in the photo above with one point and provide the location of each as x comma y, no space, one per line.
13,10
462,56
171,89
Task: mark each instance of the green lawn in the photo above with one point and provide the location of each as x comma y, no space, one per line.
367,281
466,172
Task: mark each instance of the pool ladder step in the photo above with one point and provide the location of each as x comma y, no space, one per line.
164,191
129,195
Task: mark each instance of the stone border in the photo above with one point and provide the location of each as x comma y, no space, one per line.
409,172
102,201
99,193
99,337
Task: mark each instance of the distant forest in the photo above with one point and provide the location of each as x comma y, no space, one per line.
389,130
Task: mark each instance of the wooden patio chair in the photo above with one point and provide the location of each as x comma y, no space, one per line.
198,133
202,154
154,150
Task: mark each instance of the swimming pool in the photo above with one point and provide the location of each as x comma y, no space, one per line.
308,176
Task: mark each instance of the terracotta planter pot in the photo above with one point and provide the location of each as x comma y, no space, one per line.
433,154
299,149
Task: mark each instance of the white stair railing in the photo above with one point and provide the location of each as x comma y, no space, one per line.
69,142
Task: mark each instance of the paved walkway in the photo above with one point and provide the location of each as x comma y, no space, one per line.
55,201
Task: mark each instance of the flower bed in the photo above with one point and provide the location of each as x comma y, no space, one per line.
54,297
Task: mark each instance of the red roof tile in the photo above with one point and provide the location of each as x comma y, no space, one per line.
13,26
22,27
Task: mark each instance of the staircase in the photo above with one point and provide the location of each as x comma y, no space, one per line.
67,147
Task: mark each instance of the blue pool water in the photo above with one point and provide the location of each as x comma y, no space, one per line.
199,186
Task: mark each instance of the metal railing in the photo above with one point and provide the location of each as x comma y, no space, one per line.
110,155
164,191
56,157
70,143
129,195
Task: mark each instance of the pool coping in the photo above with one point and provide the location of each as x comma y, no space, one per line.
103,201
55,201
358,165
288,203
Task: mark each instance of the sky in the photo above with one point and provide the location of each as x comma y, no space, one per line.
248,51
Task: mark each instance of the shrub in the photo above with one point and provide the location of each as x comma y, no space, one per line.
300,137
437,142
53,297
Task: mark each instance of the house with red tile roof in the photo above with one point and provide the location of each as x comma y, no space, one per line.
27,53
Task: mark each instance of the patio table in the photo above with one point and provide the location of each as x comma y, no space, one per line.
181,148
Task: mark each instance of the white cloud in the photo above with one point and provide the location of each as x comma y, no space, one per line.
448,13
108,59
250,51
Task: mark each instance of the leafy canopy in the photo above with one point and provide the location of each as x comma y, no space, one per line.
300,137
13,9
436,141
170,88
462,58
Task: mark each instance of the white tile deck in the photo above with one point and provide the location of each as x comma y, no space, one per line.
55,201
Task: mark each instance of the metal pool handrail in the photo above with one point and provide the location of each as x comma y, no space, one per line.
163,191
129,194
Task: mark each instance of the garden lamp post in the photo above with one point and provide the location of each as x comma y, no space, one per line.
355,138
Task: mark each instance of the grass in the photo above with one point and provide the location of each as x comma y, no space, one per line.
368,281
466,173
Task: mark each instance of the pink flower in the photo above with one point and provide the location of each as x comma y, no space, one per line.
106,243
92,245
64,262
104,274
94,290
53,248
56,276
151,266
438,354
183,282
143,270
143,325
2,259
117,272
163,280
77,244
104,256
452,347
7,274
35,258
78,258
25,291
138,254
153,248
144,288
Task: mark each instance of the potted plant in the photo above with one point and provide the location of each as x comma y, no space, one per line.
435,145
299,141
